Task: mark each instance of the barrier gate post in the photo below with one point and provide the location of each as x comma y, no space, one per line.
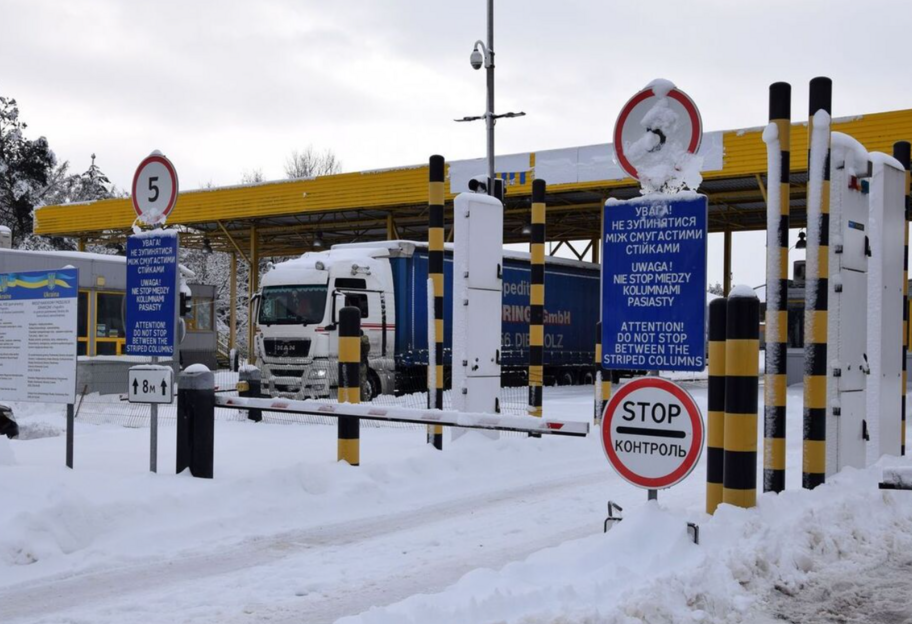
715,400
816,306
537,300
349,429
742,354
901,152
436,170
776,331
196,422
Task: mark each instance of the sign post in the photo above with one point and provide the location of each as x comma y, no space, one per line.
38,339
652,433
654,289
153,281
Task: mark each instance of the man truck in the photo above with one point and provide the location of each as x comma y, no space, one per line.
297,311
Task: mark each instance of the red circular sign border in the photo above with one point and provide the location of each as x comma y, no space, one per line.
676,94
693,455
161,159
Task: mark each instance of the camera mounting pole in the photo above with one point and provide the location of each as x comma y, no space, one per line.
484,55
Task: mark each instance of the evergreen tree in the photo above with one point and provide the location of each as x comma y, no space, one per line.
92,185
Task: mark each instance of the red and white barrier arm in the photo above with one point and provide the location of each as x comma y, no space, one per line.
497,422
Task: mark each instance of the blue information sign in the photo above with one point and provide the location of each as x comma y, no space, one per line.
152,293
654,283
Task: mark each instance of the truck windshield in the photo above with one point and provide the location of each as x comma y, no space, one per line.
292,305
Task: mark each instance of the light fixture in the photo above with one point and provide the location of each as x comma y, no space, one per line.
802,242
319,243
207,246
527,229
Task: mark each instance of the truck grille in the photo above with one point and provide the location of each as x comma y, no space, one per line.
278,347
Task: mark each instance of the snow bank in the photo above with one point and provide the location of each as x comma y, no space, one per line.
647,568
7,458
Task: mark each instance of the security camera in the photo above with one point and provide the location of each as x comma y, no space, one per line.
476,59
477,186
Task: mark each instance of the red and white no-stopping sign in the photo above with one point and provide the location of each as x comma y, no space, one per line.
662,110
652,433
155,189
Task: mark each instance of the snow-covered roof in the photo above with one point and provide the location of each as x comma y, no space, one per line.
71,255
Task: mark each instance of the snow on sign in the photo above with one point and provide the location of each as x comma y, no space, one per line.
152,293
150,384
154,189
652,433
654,283
38,323
656,138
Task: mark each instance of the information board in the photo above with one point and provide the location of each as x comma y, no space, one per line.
152,293
38,319
654,283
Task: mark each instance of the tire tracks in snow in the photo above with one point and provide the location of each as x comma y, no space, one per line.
86,594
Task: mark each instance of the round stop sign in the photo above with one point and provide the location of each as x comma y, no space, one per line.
660,118
154,189
652,432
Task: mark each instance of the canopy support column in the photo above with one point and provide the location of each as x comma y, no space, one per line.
254,283
232,303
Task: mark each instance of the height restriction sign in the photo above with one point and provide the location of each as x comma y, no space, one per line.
652,433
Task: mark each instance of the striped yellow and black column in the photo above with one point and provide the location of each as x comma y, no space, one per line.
715,400
776,336
349,448
901,151
742,353
602,377
537,300
435,272
816,305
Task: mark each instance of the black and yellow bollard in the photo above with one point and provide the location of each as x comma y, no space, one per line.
349,432
537,300
602,378
776,333
715,403
435,273
250,385
742,354
902,150
816,305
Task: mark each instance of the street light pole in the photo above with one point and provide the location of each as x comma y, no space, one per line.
489,113
483,54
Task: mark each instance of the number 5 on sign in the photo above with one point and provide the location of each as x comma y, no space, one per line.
155,189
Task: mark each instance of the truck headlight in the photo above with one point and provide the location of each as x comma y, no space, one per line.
318,374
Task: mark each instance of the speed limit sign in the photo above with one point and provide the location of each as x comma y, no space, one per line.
154,189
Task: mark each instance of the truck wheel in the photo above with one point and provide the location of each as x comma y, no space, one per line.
588,379
567,379
373,380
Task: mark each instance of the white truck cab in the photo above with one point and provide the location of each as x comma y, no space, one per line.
297,316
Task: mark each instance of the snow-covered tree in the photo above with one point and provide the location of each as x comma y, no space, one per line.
26,168
308,163
92,185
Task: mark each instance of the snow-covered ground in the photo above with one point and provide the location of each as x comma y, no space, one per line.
506,530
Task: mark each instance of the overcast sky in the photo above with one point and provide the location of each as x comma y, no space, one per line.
222,87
